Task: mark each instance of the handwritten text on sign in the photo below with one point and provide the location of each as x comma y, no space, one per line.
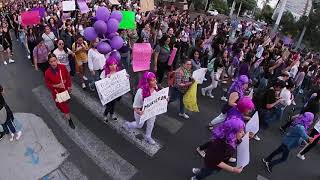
111,88
155,104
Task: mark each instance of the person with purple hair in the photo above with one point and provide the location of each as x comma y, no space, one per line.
235,93
147,86
111,67
226,136
292,139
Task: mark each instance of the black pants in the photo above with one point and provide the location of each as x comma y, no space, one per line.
281,149
43,67
110,107
313,144
205,146
8,127
162,68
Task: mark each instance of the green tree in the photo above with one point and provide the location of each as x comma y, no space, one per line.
288,24
220,5
265,14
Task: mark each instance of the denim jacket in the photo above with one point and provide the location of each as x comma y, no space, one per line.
295,136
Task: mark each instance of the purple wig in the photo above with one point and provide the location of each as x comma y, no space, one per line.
245,104
144,83
228,131
304,119
237,86
110,61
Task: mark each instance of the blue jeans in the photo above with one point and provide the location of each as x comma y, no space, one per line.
94,78
273,115
176,94
205,172
281,149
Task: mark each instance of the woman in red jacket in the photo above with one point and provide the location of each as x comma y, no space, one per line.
57,79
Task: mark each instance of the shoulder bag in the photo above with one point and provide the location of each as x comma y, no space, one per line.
63,96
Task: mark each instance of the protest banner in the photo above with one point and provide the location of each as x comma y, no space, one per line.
141,56
128,20
83,7
172,56
199,75
243,152
68,5
30,18
114,2
41,10
155,104
146,5
111,88
317,126
253,124
190,98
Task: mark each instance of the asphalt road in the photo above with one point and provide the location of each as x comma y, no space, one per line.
176,155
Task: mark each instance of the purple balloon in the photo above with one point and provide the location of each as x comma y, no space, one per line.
100,27
103,14
113,26
116,15
116,55
116,42
90,34
111,35
103,48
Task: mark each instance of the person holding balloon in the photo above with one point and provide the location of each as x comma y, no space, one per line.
147,86
80,48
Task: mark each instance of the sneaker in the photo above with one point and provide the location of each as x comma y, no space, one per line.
105,118
193,178
11,138
301,156
224,98
29,57
282,130
232,160
184,115
5,62
300,91
203,92
11,61
83,85
1,135
18,136
211,96
201,153
205,79
195,170
257,138
71,124
266,163
85,78
150,141
112,117
294,103
224,82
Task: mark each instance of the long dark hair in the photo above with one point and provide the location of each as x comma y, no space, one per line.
65,49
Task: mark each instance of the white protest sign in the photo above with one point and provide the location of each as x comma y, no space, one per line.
68,5
155,104
253,124
317,126
199,75
243,152
111,88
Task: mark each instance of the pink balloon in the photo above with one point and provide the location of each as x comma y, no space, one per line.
100,27
103,14
90,34
103,48
116,42
116,15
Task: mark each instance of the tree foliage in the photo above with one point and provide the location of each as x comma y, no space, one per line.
265,14
288,24
220,5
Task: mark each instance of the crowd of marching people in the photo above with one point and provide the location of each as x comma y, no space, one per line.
257,72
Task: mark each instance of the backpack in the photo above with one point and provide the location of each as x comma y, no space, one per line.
211,65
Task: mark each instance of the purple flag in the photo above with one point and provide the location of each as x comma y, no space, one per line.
41,11
83,7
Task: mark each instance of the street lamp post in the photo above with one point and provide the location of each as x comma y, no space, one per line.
276,25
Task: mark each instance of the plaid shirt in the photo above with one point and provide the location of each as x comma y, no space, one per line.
181,78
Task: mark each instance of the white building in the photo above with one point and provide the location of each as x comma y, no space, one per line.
297,7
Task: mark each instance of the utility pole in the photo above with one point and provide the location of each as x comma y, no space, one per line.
276,25
304,27
240,6
232,8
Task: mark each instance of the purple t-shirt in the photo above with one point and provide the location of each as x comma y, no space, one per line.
41,54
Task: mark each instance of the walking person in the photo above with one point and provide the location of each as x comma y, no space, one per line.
6,43
57,79
31,42
80,48
308,147
7,119
226,136
63,53
147,86
292,140
96,63
40,56
49,38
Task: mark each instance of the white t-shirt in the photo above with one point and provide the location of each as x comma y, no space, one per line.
96,60
49,40
286,95
260,50
62,57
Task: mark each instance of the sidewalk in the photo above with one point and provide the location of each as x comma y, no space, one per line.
35,155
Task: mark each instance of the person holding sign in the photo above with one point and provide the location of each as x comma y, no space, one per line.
147,86
226,136
161,57
110,68
292,140
314,133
